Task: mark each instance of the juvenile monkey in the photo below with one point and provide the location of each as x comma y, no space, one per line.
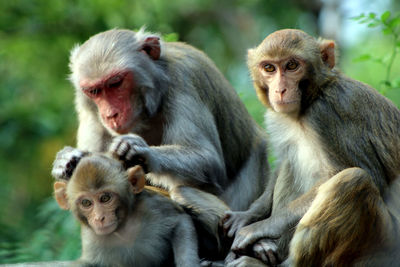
122,223
166,106
337,143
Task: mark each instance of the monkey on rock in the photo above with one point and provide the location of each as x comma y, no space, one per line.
167,107
336,200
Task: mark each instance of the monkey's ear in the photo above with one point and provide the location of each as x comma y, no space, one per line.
136,177
327,49
60,195
152,47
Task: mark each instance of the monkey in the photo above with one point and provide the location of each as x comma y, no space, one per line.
122,222
336,200
166,106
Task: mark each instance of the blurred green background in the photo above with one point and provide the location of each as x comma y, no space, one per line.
37,116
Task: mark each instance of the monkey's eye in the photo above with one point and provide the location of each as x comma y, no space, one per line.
86,203
292,65
94,91
114,82
269,68
106,197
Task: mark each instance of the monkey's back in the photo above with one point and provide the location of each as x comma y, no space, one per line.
220,98
368,138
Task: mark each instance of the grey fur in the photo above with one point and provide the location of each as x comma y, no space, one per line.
207,138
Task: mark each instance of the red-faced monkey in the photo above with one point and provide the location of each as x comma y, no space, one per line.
337,143
122,223
168,105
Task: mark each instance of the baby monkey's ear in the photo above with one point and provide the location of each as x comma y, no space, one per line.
60,194
136,177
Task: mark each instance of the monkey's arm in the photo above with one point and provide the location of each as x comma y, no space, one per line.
191,153
233,221
91,135
184,243
275,226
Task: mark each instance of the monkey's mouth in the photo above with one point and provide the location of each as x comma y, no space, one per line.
107,229
286,106
120,125
286,102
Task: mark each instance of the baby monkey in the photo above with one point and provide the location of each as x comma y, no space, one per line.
122,222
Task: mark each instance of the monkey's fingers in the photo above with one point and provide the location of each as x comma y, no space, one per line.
230,257
225,222
245,238
266,250
233,222
246,261
66,161
119,148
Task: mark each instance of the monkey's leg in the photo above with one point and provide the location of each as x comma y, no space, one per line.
184,243
206,211
345,219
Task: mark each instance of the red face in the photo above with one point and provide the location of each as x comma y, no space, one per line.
112,96
100,211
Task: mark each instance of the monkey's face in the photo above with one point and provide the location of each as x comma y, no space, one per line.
99,209
281,77
113,96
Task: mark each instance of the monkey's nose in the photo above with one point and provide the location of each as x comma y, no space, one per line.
100,219
280,91
113,115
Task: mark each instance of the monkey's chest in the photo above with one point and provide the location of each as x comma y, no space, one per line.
301,159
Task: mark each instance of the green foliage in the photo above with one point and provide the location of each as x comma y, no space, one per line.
57,238
389,25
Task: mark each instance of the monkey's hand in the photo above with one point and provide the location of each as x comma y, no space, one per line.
271,228
66,161
132,150
245,261
233,221
267,251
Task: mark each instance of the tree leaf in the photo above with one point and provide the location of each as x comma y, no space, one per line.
358,17
385,16
394,22
387,31
372,15
374,24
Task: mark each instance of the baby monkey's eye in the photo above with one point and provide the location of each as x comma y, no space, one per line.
269,68
106,197
292,65
86,203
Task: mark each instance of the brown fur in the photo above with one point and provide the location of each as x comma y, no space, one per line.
338,163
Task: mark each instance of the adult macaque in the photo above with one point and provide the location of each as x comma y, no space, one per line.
167,107
337,143
122,223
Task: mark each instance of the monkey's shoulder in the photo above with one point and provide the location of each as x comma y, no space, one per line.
159,203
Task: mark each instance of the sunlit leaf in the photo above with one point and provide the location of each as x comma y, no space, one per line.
373,24
385,16
358,17
372,15
394,22
387,31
